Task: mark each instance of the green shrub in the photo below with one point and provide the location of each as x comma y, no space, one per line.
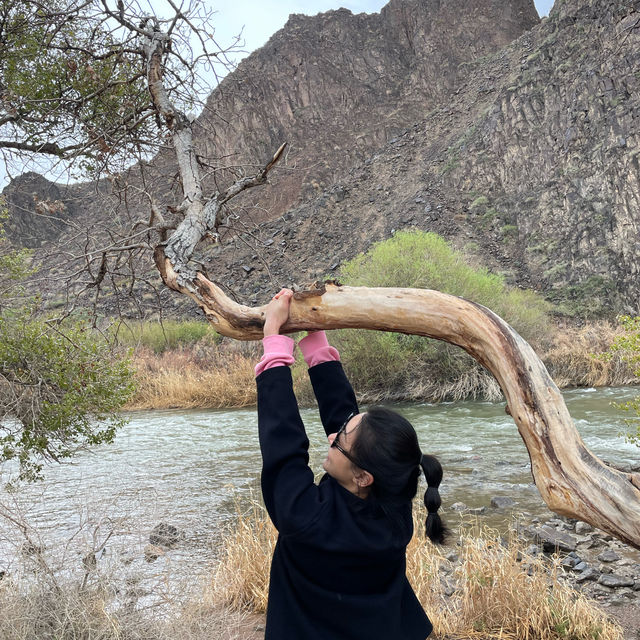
61,383
166,335
387,364
61,388
628,346
489,217
509,232
480,201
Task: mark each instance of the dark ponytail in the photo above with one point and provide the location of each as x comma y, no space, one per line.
387,447
435,529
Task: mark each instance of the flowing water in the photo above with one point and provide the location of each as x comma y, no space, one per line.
194,469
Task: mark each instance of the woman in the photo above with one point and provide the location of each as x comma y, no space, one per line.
338,569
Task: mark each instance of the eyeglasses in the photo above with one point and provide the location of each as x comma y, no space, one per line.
336,444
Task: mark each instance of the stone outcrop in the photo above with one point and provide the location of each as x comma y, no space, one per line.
337,86
39,209
603,568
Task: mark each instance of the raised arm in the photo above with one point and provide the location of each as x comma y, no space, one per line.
288,488
335,396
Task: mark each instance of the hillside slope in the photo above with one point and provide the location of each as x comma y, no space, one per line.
515,138
532,166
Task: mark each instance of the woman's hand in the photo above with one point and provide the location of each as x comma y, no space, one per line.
277,312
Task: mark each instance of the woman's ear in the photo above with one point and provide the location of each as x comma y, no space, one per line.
363,478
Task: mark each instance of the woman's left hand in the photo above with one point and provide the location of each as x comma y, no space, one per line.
277,312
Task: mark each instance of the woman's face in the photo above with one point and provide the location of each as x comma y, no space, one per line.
337,464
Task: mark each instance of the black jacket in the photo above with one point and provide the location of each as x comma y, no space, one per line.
338,570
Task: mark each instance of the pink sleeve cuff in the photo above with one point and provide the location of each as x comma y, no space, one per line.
278,352
316,349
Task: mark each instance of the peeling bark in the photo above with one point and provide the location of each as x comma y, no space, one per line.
572,480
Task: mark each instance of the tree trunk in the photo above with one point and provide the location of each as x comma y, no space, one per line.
572,481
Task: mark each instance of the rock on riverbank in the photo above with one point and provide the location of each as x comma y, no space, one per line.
594,562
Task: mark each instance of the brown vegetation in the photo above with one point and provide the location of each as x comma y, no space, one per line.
209,377
40,612
574,359
221,376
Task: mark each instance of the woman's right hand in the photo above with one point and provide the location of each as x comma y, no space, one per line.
277,312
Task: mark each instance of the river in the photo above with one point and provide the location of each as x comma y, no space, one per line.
193,469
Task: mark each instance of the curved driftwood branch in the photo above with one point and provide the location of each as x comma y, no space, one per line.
572,481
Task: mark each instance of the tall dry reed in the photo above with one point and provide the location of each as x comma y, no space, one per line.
241,578
187,379
221,376
36,611
495,589
574,357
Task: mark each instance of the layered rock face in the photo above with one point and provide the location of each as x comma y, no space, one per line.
515,138
556,153
37,208
337,86
531,164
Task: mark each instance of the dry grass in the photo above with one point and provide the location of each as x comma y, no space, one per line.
474,383
38,611
572,358
241,578
221,376
499,591
212,378
42,611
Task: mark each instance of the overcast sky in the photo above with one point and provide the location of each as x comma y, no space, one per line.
258,20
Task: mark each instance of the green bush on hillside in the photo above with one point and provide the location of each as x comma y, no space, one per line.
386,363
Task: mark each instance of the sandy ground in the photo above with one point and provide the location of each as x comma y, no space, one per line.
628,616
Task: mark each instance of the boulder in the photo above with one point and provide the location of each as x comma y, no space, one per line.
569,562
553,539
583,527
502,502
165,535
608,556
588,574
614,581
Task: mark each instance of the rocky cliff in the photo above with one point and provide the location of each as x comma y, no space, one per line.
515,138
531,165
338,86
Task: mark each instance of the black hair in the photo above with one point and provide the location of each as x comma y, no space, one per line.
387,445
